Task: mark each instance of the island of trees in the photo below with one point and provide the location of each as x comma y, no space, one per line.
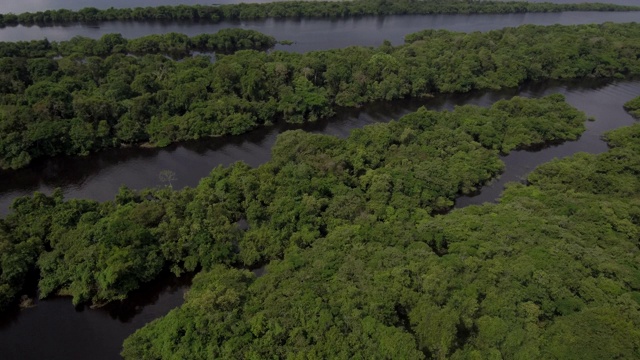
96,96
297,9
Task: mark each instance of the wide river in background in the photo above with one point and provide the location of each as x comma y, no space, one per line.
17,7
54,329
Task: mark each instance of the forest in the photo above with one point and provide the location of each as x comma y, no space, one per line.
550,272
94,95
296,9
363,259
390,173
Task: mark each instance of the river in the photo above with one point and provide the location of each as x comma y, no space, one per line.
17,7
53,329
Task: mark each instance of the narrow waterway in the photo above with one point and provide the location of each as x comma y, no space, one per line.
99,176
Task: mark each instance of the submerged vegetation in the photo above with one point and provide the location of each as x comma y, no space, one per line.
384,174
94,99
551,272
297,9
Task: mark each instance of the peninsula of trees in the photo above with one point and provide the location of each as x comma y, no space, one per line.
400,172
99,97
297,9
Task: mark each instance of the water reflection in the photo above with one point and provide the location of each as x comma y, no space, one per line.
53,329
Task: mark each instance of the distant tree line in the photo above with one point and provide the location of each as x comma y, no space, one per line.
397,172
176,45
78,103
296,9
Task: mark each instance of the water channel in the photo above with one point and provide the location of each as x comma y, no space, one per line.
53,329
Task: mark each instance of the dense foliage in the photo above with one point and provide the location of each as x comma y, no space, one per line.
551,272
78,103
298,9
176,45
633,107
386,173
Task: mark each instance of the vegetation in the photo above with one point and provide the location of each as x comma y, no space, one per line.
297,9
225,41
80,103
551,272
543,284
633,107
400,172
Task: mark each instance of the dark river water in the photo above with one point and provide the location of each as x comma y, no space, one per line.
53,329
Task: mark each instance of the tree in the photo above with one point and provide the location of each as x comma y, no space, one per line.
167,176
